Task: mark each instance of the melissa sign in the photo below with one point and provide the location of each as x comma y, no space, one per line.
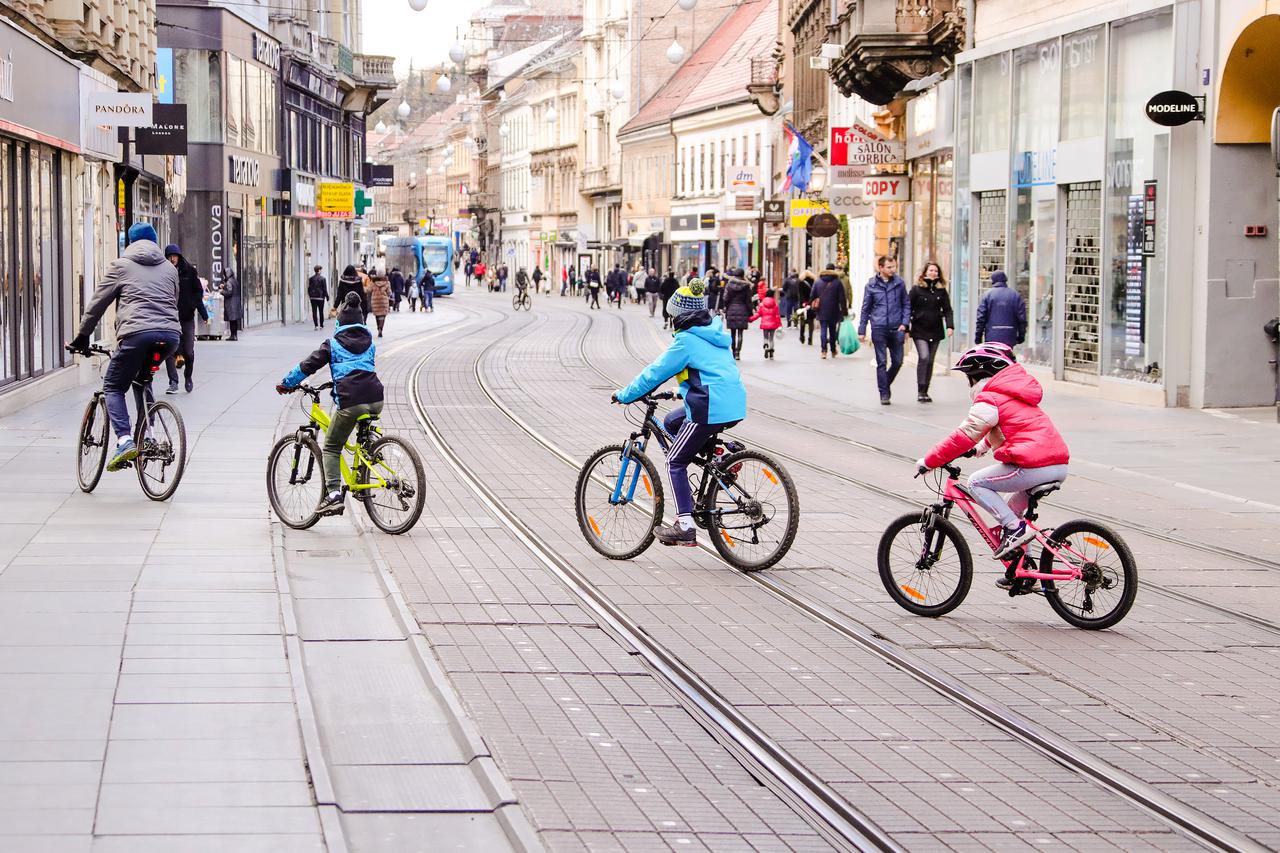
119,109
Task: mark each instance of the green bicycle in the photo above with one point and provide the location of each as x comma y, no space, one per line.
384,472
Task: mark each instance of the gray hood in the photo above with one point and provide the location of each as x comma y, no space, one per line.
145,252
143,285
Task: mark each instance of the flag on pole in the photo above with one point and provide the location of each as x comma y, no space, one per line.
801,164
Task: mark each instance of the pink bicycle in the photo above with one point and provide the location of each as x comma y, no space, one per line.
1086,571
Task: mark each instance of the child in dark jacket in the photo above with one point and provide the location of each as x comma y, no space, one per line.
357,391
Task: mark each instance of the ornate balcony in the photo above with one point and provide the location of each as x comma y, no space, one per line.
764,88
601,179
889,43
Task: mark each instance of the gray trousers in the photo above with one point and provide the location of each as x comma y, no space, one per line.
987,483
340,427
187,349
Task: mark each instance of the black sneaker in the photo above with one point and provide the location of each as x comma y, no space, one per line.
331,504
1012,539
923,398
172,389
190,386
884,401
674,534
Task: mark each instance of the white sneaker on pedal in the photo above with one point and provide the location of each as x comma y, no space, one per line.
1014,538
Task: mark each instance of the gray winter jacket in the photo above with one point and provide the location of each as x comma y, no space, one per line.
144,287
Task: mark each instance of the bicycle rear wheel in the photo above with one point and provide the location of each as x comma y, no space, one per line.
754,521
92,444
926,569
1103,596
622,529
161,438
295,481
400,484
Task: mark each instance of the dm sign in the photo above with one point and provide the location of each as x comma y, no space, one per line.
1173,108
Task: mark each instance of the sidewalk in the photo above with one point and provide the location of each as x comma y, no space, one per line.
181,676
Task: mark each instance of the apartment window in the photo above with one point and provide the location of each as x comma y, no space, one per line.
702,167
758,150
235,99
733,152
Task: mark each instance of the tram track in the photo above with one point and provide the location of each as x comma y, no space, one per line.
1186,819
873,488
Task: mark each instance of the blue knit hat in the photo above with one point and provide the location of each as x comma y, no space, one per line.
691,297
142,231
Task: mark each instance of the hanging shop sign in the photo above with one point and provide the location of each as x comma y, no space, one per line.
379,176
822,225
741,180
1174,108
860,147
775,210
119,109
336,200
886,188
168,132
848,201
803,208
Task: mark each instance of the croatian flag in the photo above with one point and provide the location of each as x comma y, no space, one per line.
801,165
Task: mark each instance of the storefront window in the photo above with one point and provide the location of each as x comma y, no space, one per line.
1083,80
1137,193
198,84
235,100
6,259
252,119
991,104
962,270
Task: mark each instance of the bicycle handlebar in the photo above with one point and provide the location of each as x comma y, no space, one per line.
663,395
314,390
92,349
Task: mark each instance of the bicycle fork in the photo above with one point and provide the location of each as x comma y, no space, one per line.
632,465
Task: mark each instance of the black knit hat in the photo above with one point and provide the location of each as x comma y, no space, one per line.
352,310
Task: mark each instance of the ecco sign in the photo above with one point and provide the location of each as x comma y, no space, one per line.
243,170
119,109
1173,108
886,189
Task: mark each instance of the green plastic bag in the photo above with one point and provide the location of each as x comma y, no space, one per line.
848,338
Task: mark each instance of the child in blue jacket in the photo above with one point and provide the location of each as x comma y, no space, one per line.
701,358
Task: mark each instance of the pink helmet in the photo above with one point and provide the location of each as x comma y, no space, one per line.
986,359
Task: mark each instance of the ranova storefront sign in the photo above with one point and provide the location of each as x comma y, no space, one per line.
1174,108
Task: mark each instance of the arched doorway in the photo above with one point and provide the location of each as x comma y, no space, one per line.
1249,90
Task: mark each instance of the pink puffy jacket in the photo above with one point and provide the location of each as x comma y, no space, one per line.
767,314
1006,416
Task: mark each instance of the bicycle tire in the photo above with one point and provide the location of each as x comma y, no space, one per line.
591,527
179,432
418,497
95,431
1111,541
726,546
902,595
297,521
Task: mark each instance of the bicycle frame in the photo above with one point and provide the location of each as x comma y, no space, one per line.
320,421
957,495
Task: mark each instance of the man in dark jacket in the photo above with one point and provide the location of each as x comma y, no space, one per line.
887,307
833,307
670,284
616,284
537,278
715,288
318,293
1002,315
350,282
232,302
190,301
807,314
144,289
790,292
652,290
396,280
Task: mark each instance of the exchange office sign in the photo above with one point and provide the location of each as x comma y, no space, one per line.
1174,108
803,208
336,200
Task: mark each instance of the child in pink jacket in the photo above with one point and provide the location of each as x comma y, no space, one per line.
770,320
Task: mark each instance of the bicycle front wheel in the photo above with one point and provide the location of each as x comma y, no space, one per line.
621,527
295,481
161,438
91,444
926,568
399,482
1109,581
754,511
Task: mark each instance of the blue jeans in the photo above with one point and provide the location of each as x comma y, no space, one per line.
428,299
831,332
129,363
887,342
690,437
787,307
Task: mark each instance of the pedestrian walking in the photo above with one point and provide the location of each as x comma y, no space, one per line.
349,282
318,294
396,280
469,270
770,321
616,285
790,292
572,275
564,281
593,287
638,282
886,307
427,290
715,289
652,290
670,284
380,301
413,293
190,303
737,308
930,313
232,302
1002,314
805,313
829,302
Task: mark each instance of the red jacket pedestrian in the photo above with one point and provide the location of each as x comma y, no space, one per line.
762,288
768,314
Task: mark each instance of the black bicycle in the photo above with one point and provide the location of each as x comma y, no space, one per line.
521,299
742,497
159,434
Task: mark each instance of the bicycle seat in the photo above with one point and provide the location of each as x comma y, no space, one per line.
1044,489
369,417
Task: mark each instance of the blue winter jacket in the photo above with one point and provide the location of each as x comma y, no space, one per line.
350,357
885,304
1002,316
701,359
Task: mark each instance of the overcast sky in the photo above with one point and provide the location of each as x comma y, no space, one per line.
391,28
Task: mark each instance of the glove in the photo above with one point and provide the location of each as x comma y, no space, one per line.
921,468
970,453
613,398
80,344
283,389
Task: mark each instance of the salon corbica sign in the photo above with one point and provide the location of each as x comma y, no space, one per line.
119,109
243,170
1174,108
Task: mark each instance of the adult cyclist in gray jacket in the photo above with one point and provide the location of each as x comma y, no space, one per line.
143,285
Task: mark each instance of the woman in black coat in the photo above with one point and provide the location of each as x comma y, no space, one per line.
232,303
350,283
930,311
670,284
736,302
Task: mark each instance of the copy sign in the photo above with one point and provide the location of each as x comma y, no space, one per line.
886,188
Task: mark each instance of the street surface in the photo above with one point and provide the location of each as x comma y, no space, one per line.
193,676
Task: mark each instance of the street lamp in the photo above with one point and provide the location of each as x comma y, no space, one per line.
457,53
443,84
403,109
552,115
618,90
688,5
417,5
675,52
